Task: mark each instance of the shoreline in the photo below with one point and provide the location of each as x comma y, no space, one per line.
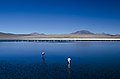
60,39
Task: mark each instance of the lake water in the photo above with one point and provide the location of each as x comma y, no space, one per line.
89,60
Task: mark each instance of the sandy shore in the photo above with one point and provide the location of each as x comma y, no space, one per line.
74,37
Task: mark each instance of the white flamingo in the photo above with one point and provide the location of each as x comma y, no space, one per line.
69,60
43,53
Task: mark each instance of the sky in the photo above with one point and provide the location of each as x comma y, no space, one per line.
59,16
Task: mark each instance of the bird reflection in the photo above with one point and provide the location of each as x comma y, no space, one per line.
69,68
43,58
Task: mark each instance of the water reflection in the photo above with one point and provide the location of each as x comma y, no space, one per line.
69,71
43,58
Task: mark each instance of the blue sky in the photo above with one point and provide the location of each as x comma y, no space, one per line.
59,16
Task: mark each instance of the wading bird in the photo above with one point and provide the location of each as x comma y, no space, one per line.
69,60
43,53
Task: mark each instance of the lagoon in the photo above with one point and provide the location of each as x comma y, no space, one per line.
89,60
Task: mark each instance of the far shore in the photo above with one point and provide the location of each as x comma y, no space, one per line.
74,37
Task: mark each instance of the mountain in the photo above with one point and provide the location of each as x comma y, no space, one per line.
35,33
106,34
82,32
1,34
10,34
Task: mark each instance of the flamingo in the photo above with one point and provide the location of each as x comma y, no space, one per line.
69,60
43,53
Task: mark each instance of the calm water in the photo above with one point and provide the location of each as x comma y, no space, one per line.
90,60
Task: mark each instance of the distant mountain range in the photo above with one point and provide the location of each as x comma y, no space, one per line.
82,32
11,34
1,33
89,32
35,33
77,32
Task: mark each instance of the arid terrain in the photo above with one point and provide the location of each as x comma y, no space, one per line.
56,36
79,34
